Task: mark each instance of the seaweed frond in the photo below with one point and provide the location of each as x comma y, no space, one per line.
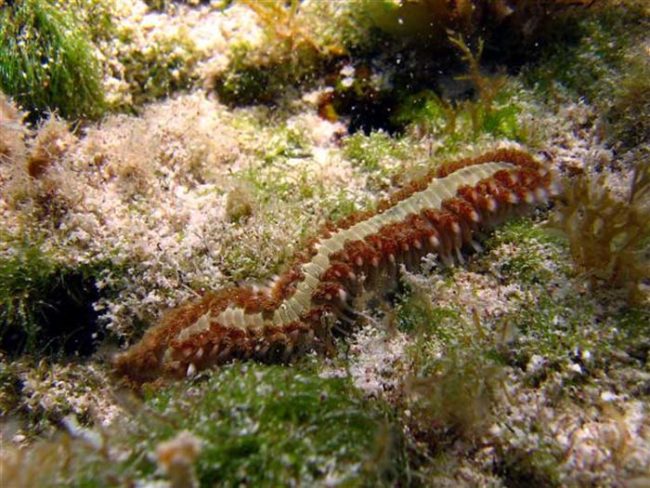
487,87
454,374
491,109
609,238
283,21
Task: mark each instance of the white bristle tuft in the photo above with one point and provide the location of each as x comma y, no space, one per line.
529,197
273,281
491,204
191,370
417,244
456,228
474,216
433,240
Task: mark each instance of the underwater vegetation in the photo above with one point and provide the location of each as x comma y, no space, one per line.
45,307
373,54
629,113
47,63
547,351
490,110
12,132
609,236
450,393
379,155
166,66
299,44
32,181
253,425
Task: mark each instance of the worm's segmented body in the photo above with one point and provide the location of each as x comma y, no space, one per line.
441,214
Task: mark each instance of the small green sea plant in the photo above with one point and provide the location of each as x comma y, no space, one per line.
166,66
455,371
609,237
489,111
301,38
374,152
629,114
47,62
588,56
487,87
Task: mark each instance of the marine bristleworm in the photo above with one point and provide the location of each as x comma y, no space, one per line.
440,213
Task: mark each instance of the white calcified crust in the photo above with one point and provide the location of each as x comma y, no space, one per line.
291,309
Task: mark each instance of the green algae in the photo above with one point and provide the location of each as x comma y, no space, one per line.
593,54
536,247
46,305
273,426
557,340
257,425
164,68
538,467
458,123
47,62
372,152
454,371
629,114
